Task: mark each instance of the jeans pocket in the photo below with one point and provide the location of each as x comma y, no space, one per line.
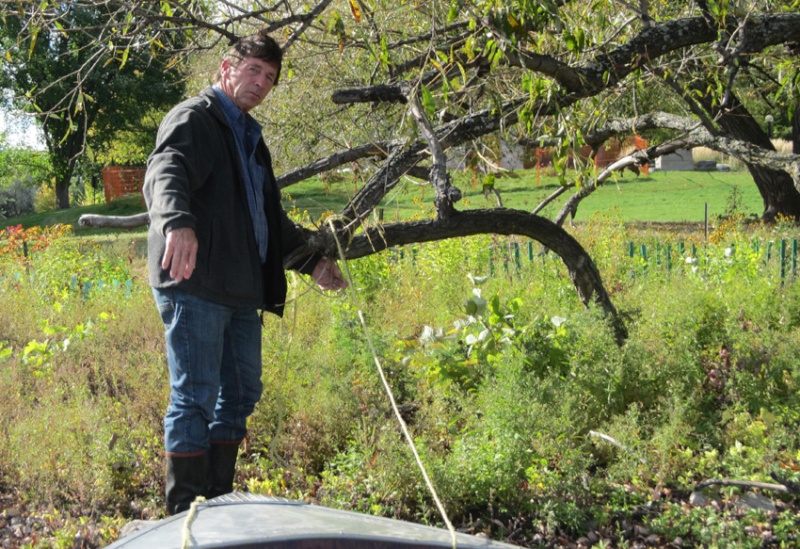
166,307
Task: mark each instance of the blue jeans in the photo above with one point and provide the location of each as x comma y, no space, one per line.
214,358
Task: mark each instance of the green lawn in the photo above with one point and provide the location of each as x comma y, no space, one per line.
663,196
674,196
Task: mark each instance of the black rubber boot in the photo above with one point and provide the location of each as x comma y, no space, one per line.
186,478
221,468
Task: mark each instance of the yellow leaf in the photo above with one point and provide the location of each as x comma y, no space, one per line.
356,10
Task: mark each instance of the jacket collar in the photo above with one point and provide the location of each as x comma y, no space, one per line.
213,104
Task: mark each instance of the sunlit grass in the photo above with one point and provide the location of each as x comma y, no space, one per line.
660,197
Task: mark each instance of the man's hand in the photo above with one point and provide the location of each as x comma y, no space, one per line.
180,255
328,275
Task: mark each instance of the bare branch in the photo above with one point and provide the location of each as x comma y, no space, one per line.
332,162
306,20
742,483
582,270
428,35
114,221
373,94
438,173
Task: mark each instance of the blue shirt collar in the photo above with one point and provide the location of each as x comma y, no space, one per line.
234,114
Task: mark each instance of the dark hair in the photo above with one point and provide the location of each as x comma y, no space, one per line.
259,45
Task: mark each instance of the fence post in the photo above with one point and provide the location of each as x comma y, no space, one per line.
644,256
783,258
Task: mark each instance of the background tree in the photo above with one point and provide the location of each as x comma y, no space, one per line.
22,172
82,81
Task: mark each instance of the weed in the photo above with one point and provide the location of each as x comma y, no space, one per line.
504,378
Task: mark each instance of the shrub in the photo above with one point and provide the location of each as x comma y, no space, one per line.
17,199
45,199
505,379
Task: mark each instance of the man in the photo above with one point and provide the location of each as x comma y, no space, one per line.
217,239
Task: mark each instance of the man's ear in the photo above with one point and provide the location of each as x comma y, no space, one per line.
224,67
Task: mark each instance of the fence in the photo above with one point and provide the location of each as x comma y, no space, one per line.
512,257
86,288
782,252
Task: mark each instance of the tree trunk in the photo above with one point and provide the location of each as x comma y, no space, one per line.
62,194
64,159
777,190
775,186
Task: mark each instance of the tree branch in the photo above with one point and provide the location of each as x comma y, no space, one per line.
581,268
114,221
386,93
305,20
445,195
695,135
742,483
332,162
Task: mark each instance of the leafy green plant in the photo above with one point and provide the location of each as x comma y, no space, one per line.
491,330
504,378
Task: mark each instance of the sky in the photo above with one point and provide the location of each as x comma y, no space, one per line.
20,131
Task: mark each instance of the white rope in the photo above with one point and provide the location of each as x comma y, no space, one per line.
192,515
389,393
187,524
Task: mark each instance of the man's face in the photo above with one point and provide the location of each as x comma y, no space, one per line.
248,83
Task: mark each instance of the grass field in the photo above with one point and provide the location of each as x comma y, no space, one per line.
661,197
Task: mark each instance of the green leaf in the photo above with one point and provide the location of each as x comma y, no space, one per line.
34,346
475,306
488,183
452,14
428,102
